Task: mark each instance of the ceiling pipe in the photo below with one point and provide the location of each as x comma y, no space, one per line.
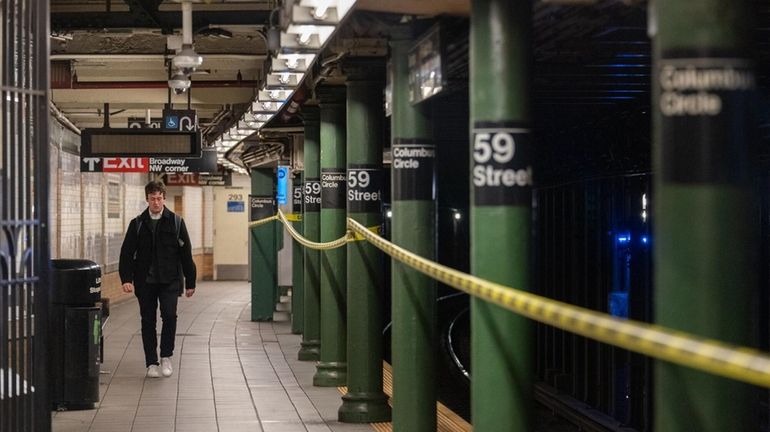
96,85
62,118
161,57
299,97
187,38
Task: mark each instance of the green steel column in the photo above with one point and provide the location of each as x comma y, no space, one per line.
332,369
502,344
365,400
413,227
704,240
264,256
311,337
297,261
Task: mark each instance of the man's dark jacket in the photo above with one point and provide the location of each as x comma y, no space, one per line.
136,254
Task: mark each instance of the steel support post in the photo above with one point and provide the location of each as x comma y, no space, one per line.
297,261
502,343
365,400
311,337
264,255
413,227
332,369
705,238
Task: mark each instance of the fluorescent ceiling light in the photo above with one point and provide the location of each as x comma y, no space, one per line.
265,107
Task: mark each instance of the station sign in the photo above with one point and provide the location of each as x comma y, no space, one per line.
137,142
198,179
141,123
180,120
282,174
186,179
261,206
207,162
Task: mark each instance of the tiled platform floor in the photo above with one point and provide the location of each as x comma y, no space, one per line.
231,374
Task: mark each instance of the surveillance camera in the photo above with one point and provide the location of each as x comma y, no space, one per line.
187,60
179,83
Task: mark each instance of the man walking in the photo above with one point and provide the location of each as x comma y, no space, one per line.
155,253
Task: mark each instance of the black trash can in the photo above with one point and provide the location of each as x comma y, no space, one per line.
75,333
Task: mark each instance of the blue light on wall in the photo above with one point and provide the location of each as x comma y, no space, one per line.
624,238
283,182
618,304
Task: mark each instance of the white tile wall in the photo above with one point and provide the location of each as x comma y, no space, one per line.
80,226
134,199
70,222
193,214
93,213
208,217
53,201
113,226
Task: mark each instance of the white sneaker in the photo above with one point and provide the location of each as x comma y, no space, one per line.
153,371
165,366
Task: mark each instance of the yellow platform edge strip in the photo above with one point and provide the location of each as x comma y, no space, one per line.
446,419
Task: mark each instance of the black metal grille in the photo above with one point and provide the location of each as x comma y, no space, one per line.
594,250
24,252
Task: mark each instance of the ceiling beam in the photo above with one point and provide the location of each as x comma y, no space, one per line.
166,21
145,10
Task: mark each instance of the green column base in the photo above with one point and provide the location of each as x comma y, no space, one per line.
310,351
364,408
331,374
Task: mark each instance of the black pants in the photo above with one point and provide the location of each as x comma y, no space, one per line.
150,295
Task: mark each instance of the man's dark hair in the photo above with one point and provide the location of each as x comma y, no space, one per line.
154,186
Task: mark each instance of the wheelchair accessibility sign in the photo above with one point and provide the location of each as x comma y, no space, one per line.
172,122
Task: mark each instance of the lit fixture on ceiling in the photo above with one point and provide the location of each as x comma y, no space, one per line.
310,25
179,83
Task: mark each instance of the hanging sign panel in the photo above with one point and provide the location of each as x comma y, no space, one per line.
206,163
282,176
187,179
141,123
139,143
180,120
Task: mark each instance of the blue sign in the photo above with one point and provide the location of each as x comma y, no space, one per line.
235,207
283,182
172,122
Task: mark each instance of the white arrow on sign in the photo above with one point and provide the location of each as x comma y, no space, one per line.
190,124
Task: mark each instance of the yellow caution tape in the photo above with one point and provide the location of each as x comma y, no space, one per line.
308,243
739,363
354,236
294,217
263,221
291,217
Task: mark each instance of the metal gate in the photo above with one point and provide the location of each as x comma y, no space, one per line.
24,251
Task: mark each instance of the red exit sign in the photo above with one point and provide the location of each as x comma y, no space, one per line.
190,179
